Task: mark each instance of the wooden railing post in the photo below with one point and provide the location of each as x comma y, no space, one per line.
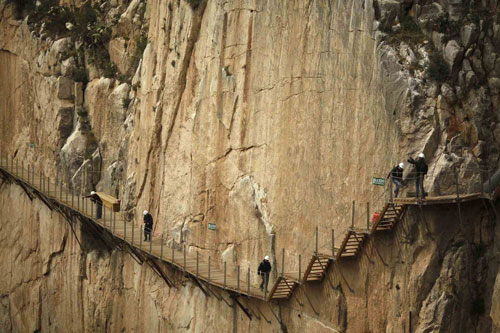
22,170
208,269
184,247
225,269
300,269
28,173
391,200
197,264
352,220
161,246
140,239
48,187
456,183
132,242
238,277
150,241
282,261
490,186
333,243
125,231
316,248
173,250
368,216
248,281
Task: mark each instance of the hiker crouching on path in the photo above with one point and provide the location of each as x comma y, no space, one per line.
263,271
396,175
148,225
94,197
421,168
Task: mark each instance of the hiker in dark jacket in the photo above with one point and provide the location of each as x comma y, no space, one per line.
263,271
96,200
148,225
421,169
396,175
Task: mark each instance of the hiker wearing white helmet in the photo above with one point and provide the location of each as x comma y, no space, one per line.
97,201
421,169
264,270
396,175
148,225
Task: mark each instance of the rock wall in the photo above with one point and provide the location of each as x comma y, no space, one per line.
266,118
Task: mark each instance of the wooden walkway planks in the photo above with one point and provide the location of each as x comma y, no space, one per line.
197,268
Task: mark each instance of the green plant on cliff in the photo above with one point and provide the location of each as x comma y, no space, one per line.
409,31
141,42
438,69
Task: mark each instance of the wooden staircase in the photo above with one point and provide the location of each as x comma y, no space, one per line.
391,214
352,244
316,270
283,288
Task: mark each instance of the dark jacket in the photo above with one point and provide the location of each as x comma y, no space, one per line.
264,267
396,173
420,165
94,198
148,221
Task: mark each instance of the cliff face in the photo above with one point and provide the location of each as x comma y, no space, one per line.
266,118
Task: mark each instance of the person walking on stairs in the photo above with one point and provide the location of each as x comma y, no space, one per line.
263,271
421,168
396,175
96,200
148,225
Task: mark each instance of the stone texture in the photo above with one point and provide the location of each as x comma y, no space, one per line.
266,118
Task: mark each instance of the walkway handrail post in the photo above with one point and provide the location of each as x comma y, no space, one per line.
161,246
173,250
48,187
17,167
316,249
238,285
125,231
92,209
113,223
22,170
248,281
67,191
104,215
489,182
209,269
368,216
28,171
72,198
33,175
456,182
184,247
352,220
266,277
140,239
41,189
300,268
197,264
391,200
282,261
61,190
333,243
482,182
225,275
150,241
132,242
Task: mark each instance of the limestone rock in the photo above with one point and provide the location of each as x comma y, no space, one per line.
65,88
469,34
453,54
448,93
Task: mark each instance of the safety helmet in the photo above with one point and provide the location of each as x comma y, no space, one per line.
92,193
145,212
421,155
402,165
266,258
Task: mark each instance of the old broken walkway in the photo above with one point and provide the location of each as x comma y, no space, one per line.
202,272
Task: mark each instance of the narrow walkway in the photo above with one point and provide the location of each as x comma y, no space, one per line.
200,270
